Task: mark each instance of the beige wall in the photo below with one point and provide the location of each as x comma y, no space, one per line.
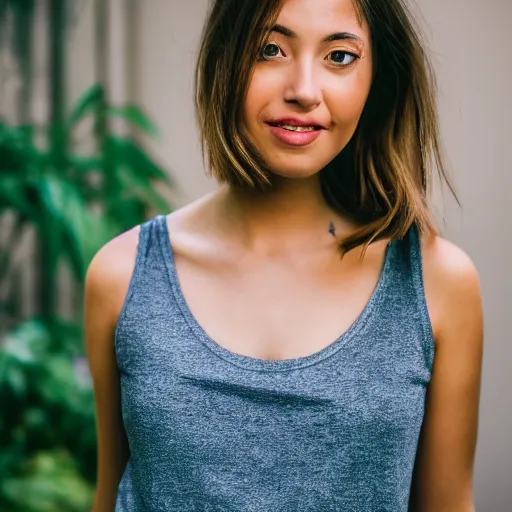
471,43
168,35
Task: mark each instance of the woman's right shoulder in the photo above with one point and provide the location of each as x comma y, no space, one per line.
109,273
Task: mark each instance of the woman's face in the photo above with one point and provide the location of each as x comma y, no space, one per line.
315,69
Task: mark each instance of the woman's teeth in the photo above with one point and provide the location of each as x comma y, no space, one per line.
297,128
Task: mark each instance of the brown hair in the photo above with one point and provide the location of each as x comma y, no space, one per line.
382,177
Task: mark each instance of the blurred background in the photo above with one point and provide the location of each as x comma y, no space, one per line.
97,134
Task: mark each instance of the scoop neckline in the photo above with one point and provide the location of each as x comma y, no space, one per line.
255,363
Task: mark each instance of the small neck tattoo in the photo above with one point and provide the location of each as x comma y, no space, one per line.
332,229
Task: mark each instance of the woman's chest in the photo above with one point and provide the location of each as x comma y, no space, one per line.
277,311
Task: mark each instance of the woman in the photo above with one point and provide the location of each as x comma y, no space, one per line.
300,339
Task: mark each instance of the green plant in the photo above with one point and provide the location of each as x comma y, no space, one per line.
78,204
47,437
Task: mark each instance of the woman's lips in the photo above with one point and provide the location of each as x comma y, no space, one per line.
293,138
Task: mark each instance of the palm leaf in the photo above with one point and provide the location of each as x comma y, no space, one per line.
135,116
88,102
128,153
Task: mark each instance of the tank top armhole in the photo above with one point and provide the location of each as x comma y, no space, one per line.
417,276
140,258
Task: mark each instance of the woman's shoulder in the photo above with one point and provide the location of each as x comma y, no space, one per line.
110,270
447,265
451,282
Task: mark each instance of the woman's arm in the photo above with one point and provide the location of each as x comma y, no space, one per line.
442,480
106,286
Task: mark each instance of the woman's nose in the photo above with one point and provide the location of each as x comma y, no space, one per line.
303,87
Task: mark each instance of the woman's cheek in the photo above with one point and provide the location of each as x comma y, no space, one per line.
261,92
346,101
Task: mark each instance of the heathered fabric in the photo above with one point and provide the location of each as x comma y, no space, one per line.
212,430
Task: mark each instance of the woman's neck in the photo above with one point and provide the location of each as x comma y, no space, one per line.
292,214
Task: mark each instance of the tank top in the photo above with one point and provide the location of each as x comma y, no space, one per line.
213,430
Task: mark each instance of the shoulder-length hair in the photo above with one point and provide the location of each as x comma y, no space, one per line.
381,179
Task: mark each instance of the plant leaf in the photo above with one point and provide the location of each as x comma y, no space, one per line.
89,100
12,195
136,117
83,231
50,482
16,380
140,187
85,164
126,152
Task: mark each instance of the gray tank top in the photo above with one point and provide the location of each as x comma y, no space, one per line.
213,430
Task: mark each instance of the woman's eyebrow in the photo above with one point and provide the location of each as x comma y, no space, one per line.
337,36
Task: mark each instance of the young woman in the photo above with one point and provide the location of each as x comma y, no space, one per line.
300,339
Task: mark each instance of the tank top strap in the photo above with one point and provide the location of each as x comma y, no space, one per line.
145,241
411,286
147,251
147,246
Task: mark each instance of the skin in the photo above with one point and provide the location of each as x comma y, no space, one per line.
269,260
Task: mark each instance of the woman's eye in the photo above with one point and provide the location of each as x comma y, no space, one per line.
270,50
341,58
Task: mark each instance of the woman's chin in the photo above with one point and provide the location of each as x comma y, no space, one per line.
296,165
294,173
296,168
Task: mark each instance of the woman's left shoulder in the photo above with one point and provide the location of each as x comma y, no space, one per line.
448,264
452,286
442,475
